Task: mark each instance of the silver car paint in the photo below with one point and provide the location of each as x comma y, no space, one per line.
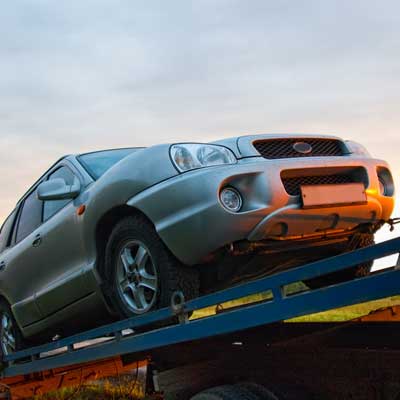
61,279
184,225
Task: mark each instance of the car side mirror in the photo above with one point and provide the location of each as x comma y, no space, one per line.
58,189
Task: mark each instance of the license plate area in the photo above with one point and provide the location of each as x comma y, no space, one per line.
333,195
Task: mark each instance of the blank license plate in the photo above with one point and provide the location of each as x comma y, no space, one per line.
333,195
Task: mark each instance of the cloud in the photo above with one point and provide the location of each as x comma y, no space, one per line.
76,76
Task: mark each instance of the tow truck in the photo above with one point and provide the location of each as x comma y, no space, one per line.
245,352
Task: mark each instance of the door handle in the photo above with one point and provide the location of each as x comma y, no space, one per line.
2,265
37,242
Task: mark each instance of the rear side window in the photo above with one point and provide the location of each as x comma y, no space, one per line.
53,206
5,232
30,217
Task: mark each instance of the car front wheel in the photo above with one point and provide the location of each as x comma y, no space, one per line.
141,271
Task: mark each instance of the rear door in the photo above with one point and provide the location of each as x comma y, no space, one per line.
22,275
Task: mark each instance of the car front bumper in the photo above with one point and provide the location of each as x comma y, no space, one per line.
192,222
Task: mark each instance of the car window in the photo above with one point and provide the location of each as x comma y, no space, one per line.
5,232
101,161
51,207
30,216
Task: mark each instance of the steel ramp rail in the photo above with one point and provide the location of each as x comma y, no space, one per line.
280,307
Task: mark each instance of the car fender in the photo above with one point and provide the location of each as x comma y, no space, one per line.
125,180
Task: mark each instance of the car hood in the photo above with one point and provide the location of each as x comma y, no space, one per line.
243,147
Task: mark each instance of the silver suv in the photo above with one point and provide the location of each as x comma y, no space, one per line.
112,234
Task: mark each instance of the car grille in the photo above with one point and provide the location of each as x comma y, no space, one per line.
292,185
283,148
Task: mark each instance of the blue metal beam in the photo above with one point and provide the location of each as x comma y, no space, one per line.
353,292
301,303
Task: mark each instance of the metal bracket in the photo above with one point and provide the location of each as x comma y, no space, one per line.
152,384
392,222
178,307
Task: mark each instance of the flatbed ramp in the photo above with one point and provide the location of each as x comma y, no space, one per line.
356,360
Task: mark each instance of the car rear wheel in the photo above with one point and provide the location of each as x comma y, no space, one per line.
226,392
11,339
142,272
358,241
247,391
261,392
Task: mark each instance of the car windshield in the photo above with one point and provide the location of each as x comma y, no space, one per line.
99,162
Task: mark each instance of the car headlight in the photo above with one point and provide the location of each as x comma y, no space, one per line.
357,149
190,156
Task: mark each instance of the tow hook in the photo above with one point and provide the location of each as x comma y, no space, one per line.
392,222
178,307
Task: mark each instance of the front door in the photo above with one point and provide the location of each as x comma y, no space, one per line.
61,254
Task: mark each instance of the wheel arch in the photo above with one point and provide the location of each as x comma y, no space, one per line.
105,226
4,298
184,278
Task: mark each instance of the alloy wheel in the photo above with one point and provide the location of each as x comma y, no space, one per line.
137,278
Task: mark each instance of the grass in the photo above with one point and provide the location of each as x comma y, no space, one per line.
260,297
121,389
337,315
349,312
206,312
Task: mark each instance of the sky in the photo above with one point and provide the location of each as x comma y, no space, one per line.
81,75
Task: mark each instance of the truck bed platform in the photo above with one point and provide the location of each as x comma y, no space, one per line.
240,333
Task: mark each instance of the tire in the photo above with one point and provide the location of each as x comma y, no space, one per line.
356,242
135,249
9,330
226,392
259,391
286,391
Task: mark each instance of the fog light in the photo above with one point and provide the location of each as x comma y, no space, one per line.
231,199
